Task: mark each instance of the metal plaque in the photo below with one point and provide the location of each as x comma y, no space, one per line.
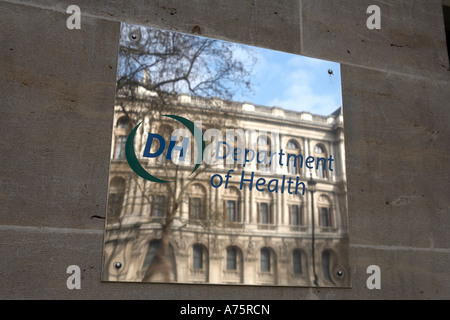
227,165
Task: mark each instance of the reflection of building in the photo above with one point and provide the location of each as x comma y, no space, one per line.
233,235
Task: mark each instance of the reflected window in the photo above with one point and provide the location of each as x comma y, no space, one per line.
296,215
232,211
264,213
232,205
263,157
265,260
325,211
119,150
325,217
297,261
197,256
292,153
321,165
321,169
196,209
235,158
197,202
292,144
115,205
263,140
151,253
123,123
326,265
318,149
233,266
116,197
293,166
158,206
232,258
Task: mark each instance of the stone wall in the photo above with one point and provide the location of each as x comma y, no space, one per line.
57,112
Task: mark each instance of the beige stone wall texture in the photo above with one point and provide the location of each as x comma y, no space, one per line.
57,93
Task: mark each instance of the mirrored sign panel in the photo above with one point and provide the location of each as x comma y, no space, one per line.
227,165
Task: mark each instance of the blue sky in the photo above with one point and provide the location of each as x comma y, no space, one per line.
294,82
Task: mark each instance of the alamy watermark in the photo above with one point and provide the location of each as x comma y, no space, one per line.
374,21
74,21
74,280
374,280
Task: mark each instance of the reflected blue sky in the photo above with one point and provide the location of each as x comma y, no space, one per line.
294,82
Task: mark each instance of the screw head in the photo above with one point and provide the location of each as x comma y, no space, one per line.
135,35
117,265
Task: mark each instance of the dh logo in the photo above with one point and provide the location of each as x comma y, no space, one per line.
137,167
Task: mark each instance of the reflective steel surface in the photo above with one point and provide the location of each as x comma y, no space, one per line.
206,189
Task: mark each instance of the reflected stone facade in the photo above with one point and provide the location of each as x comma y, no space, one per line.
285,233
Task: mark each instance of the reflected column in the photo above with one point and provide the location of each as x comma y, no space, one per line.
312,189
